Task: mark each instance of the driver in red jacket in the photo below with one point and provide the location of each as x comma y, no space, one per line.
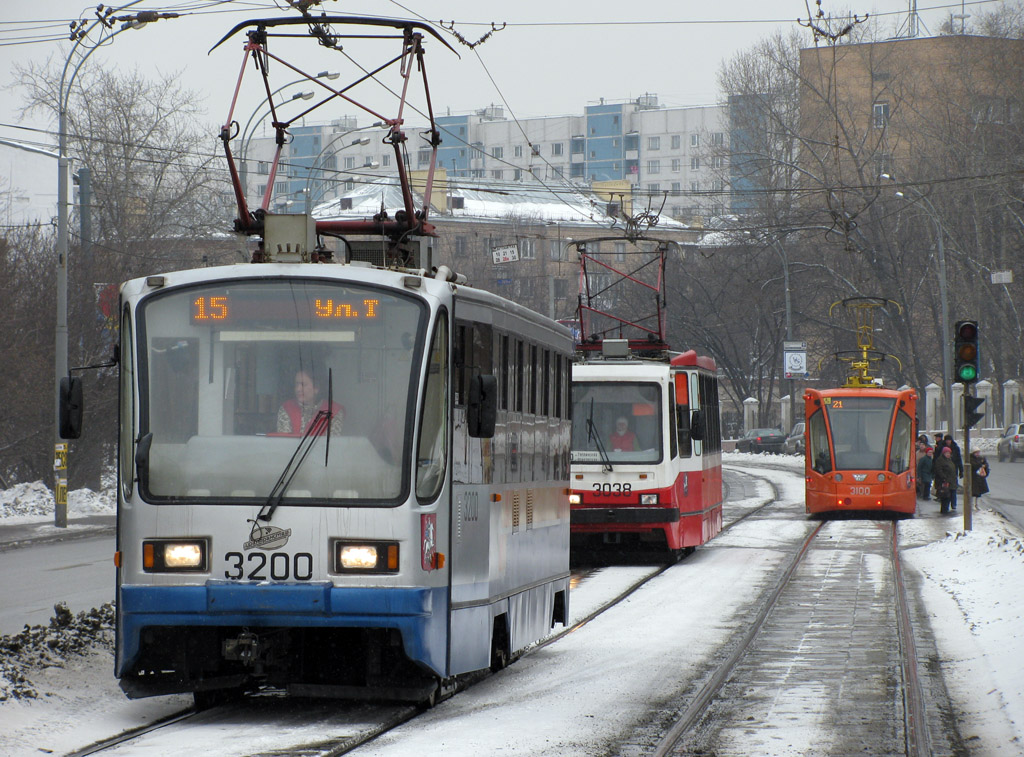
295,416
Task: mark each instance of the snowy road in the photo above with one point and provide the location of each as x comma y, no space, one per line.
79,572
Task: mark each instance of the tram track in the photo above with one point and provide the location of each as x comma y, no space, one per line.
715,713
375,720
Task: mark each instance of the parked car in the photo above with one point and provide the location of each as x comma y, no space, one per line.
762,440
1011,444
795,440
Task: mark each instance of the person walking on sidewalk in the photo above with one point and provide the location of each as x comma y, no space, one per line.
944,471
979,474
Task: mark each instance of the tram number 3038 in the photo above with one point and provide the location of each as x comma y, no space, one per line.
279,566
612,490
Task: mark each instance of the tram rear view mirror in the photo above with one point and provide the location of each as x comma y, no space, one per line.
697,425
482,411
71,407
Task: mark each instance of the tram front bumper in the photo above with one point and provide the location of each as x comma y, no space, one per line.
599,516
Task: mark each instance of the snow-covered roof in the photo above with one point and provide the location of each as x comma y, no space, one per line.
485,199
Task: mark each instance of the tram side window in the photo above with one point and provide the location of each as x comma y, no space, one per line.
902,442
546,377
682,411
504,374
520,374
461,359
821,460
432,452
558,386
534,379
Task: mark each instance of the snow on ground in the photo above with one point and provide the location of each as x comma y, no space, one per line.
971,583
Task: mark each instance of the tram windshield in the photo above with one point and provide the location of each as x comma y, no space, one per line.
616,422
860,430
232,375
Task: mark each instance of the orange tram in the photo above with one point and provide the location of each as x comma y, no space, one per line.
859,446
860,453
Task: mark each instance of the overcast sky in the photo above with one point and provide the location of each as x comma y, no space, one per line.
551,58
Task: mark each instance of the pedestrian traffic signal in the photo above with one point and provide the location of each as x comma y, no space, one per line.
971,414
965,352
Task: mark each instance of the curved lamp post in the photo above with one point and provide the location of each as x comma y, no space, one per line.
137,21
947,387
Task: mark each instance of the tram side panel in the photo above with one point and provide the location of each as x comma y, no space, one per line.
510,522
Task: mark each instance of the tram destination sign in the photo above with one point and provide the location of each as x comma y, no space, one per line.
508,253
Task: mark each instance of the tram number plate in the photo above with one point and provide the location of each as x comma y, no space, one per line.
277,566
862,491
612,490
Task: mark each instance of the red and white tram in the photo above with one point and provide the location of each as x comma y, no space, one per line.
646,451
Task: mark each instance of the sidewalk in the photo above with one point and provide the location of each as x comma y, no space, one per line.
16,535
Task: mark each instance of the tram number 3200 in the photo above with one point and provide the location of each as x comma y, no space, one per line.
612,490
279,566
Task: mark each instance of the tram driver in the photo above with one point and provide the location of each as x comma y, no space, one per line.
296,415
622,439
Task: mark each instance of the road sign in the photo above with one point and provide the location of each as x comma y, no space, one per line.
794,359
508,253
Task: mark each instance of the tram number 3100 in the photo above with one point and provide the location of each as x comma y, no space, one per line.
608,489
279,566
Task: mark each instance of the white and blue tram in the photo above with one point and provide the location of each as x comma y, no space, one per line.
409,525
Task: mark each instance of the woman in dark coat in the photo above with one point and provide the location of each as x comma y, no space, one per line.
979,474
944,471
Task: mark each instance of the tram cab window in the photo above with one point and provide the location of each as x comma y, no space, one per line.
821,459
902,443
432,450
616,422
218,365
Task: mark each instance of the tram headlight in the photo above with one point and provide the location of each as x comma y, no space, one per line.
174,555
839,477
881,477
575,499
365,557
648,499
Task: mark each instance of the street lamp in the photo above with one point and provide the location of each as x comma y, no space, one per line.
314,165
947,388
245,136
60,449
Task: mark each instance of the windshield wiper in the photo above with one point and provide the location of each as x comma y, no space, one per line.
592,435
320,424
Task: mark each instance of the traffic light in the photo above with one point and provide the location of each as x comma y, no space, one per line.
971,414
965,351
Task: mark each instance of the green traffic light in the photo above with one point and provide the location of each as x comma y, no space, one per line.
967,373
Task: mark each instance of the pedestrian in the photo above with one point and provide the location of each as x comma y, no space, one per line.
979,474
924,473
958,461
944,471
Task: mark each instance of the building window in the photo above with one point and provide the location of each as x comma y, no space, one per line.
496,174
694,163
717,161
576,170
556,148
620,251
654,143
460,246
632,141
694,186
677,165
557,249
593,153
527,250
385,160
677,189
578,145
677,142
331,163
350,162
653,189
498,151
535,149
263,168
653,166
561,289
615,120
517,174
881,115
718,139
422,157
695,140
